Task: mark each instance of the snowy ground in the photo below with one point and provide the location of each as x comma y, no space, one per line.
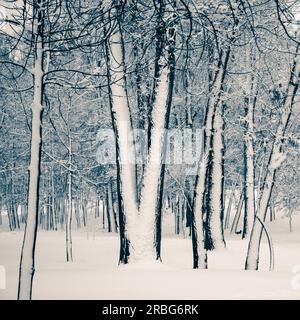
94,274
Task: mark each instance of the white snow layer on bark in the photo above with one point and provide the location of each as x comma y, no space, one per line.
198,216
217,181
125,135
140,222
250,179
250,184
27,255
213,109
149,193
278,160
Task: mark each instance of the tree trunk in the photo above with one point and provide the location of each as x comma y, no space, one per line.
69,250
152,172
237,216
108,209
27,266
199,251
160,201
249,171
216,216
125,154
112,216
212,203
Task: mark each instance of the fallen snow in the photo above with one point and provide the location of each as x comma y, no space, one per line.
94,274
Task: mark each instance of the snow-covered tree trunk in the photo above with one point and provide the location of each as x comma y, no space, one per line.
217,176
249,198
249,171
107,209
198,242
69,249
201,230
236,219
275,160
125,149
149,193
212,182
121,111
53,206
27,265
140,221
111,223
171,39
112,217
153,179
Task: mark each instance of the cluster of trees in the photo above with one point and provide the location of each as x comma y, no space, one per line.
71,69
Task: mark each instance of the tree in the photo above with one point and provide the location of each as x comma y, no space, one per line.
27,266
275,160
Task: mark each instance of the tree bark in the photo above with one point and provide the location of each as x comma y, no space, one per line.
212,203
249,171
27,265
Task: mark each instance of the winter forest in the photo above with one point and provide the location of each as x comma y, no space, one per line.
149,149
